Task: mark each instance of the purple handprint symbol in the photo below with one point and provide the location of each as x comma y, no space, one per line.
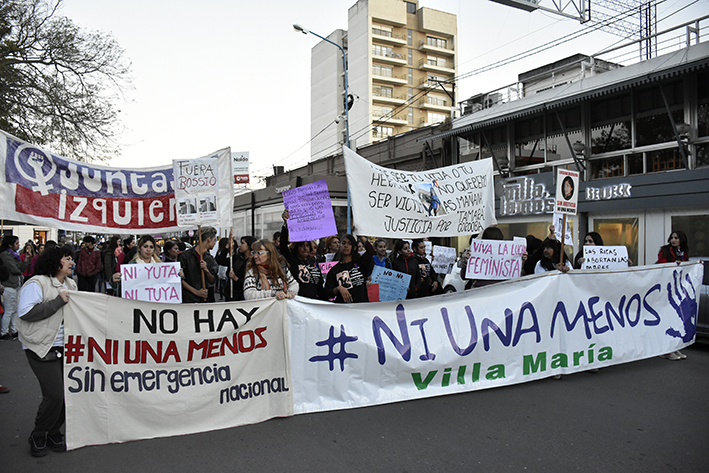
685,306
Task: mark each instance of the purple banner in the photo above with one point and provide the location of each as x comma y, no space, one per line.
311,215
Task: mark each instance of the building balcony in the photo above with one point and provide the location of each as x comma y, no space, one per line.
396,80
384,119
393,39
391,58
426,83
428,49
383,97
444,67
435,104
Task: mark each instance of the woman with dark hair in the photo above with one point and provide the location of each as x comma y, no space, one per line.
14,264
302,266
402,259
28,253
233,288
267,274
347,280
591,239
41,327
551,256
170,250
676,248
146,251
112,257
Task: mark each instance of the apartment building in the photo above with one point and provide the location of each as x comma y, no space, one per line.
401,64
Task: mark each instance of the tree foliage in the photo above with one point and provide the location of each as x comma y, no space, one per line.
59,84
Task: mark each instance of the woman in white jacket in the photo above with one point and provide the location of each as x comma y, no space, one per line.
41,331
267,274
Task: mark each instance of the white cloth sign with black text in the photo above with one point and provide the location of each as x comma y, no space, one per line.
444,202
605,257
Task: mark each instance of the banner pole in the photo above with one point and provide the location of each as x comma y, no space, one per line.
563,238
201,257
231,260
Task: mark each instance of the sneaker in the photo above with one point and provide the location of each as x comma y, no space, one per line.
56,442
671,356
14,335
680,354
4,389
7,336
38,445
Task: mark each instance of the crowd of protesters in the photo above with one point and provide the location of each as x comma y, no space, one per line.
36,283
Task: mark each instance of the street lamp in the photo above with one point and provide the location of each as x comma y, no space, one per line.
300,29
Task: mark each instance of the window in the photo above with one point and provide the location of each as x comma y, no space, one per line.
410,76
410,8
436,101
411,93
436,42
436,61
697,229
380,112
410,57
436,117
610,124
619,231
383,131
383,92
386,51
409,38
384,71
411,116
652,122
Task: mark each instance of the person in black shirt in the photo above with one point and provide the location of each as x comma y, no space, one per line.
233,288
403,260
302,266
347,280
429,285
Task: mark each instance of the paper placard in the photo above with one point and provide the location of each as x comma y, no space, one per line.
567,192
605,257
558,222
393,285
326,267
196,189
311,215
444,259
496,259
155,282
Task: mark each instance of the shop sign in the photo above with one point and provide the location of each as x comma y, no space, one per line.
617,191
522,196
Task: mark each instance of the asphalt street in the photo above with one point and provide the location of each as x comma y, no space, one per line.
646,416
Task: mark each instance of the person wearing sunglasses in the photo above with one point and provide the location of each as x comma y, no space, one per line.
267,274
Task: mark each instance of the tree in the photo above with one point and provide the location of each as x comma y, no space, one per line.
59,84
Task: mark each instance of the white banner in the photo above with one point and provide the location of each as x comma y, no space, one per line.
515,331
605,257
41,188
450,201
154,282
136,370
204,190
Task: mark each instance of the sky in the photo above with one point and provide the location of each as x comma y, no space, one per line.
233,73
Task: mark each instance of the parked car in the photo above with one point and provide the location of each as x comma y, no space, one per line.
453,282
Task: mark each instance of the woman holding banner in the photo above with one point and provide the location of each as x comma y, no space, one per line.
267,274
347,280
302,266
41,327
591,239
676,250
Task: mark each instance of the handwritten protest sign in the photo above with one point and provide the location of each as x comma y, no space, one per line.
605,257
496,259
155,282
558,222
443,259
326,267
311,215
393,285
203,190
445,202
